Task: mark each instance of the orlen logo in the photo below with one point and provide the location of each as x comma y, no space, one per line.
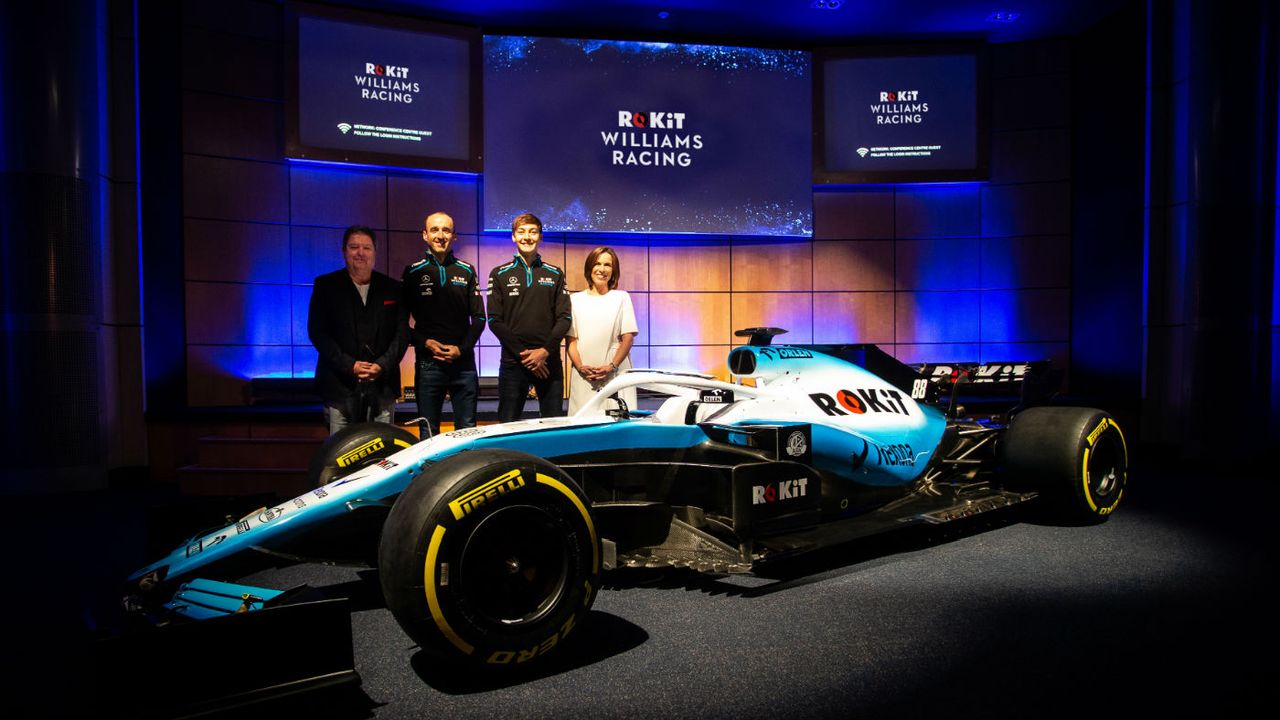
779,491
391,71
900,96
654,120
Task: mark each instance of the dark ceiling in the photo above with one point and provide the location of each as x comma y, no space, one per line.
767,22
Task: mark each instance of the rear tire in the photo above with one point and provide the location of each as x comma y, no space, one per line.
1076,458
490,557
354,447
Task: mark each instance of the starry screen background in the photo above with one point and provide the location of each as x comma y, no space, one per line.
547,102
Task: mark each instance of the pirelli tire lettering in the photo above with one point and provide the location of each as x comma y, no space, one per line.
1076,457
490,557
356,447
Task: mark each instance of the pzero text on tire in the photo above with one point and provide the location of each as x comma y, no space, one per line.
491,557
1076,457
354,447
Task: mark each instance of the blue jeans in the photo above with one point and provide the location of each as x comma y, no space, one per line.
458,378
514,381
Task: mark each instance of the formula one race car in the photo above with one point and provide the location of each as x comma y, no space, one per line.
490,541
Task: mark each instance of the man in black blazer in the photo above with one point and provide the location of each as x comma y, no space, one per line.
358,325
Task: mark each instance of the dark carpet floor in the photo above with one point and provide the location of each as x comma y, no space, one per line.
1164,610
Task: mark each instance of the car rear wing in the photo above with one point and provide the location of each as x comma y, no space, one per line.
951,386
991,384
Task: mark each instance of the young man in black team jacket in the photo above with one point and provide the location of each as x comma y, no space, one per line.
529,312
443,297
358,325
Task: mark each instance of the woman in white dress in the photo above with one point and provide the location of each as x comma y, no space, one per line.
603,329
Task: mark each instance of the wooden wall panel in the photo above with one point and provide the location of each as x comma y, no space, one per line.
1031,209
937,211
300,304
853,317
304,360
1026,316
947,264
411,199
231,64
237,314
1059,353
772,264
1030,101
337,198
937,317
853,265
706,359
792,312
237,190
688,318
235,252
689,265
231,127
1042,261
1036,155
938,352
853,214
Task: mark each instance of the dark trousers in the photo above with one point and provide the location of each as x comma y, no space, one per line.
514,381
432,379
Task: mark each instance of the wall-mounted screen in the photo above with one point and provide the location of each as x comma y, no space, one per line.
900,116
604,136
365,91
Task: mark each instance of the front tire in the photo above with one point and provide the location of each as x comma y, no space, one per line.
1075,457
354,447
490,557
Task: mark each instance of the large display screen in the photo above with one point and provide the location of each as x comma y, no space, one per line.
599,136
365,92
900,118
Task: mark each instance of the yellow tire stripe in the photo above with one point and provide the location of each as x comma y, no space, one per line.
1084,470
586,517
402,443
433,602
1084,477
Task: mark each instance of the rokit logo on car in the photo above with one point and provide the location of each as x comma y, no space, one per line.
779,491
861,401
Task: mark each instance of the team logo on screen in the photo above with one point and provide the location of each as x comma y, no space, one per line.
655,120
651,138
899,107
388,83
392,71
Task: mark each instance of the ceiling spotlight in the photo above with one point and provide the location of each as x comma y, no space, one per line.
826,4
1002,16
663,14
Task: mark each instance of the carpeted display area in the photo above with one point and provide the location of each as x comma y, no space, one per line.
1162,610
